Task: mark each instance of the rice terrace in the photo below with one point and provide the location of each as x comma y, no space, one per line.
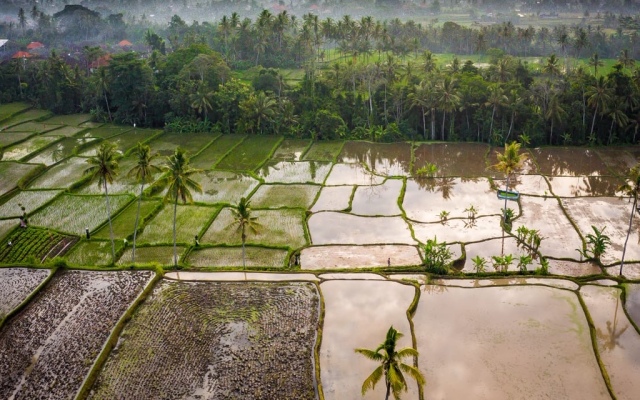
294,253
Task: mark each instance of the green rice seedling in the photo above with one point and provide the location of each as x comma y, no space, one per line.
190,221
324,151
30,146
291,149
232,257
71,119
9,109
276,196
30,200
162,255
192,143
249,154
14,174
123,223
28,115
61,176
212,154
278,228
89,253
73,214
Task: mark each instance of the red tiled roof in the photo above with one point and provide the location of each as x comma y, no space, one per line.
34,45
22,54
125,43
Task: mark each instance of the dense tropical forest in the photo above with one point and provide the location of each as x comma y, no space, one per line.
326,78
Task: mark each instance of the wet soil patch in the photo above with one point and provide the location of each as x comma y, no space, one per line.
216,341
51,344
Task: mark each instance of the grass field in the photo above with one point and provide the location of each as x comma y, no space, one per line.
71,120
28,115
62,175
162,255
232,257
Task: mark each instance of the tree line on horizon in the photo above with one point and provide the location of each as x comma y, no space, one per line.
222,77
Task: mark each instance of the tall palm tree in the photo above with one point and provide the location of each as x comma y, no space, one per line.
391,365
104,167
599,97
555,113
496,99
510,161
448,98
179,186
143,172
243,220
595,62
630,188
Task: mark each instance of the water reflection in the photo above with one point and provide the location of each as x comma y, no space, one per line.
564,186
454,159
564,161
388,159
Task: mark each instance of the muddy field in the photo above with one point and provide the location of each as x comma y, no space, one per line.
217,341
49,347
16,284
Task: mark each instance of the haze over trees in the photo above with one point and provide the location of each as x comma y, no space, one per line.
357,77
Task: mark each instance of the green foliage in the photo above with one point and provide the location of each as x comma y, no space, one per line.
429,170
444,215
502,263
32,245
471,212
597,243
437,257
529,239
479,264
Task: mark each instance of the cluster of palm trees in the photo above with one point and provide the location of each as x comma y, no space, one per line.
177,178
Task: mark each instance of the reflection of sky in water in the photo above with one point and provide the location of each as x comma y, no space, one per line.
377,199
358,315
340,228
618,342
506,343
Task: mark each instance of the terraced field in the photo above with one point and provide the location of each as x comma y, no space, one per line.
333,257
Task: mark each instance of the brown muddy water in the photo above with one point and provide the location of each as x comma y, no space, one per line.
611,213
330,257
516,342
352,174
387,159
426,198
459,159
341,228
377,199
358,315
569,161
560,238
618,341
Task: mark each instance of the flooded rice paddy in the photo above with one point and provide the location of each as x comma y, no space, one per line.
324,211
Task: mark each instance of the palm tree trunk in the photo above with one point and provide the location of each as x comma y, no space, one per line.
611,130
424,124
175,249
551,133
593,123
433,123
106,100
135,229
504,215
444,118
244,238
624,248
493,113
388,391
113,246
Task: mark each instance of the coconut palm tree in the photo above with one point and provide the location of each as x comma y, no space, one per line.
243,220
179,186
391,365
630,188
510,161
104,167
143,172
599,96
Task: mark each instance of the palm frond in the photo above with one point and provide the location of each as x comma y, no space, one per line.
372,380
370,354
414,372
